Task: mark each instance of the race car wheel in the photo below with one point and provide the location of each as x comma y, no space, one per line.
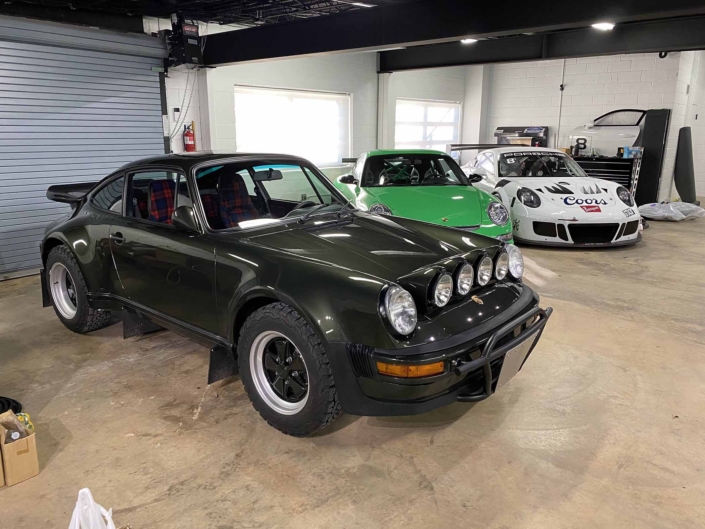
285,371
67,289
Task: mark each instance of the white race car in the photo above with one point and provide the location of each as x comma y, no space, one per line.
553,202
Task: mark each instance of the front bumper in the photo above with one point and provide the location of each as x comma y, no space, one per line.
472,365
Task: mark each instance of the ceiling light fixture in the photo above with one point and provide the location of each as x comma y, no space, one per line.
468,41
604,26
360,4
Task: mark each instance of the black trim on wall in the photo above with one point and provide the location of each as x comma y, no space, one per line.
644,37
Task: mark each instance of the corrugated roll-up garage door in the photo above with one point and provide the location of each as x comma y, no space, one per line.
67,114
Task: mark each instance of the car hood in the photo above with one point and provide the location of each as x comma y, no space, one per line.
380,246
446,205
572,191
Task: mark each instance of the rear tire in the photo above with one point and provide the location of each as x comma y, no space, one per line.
285,371
67,290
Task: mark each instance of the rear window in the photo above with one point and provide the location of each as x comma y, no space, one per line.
109,197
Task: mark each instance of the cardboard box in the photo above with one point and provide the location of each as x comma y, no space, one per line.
19,458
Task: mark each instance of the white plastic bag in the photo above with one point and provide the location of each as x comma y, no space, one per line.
674,211
89,515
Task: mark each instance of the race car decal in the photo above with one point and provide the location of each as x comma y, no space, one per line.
572,201
591,209
559,189
629,212
590,191
502,183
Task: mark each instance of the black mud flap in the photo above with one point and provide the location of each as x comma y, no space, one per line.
223,364
46,300
135,324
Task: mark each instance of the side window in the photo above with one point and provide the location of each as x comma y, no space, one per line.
487,164
110,196
154,195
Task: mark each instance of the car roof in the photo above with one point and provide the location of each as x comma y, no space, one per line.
392,152
186,161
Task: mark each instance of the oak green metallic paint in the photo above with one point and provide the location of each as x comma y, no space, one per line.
331,270
332,273
460,206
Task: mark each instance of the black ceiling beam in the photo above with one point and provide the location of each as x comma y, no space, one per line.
427,22
98,19
644,37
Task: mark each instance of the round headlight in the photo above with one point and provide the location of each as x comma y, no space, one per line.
380,209
528,197
401,310
625,196
465,279
516,261
502,266
484,271
498,213
443,290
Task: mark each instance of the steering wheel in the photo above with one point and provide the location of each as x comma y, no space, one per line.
304,204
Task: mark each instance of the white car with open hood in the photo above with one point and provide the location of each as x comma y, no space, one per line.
552,201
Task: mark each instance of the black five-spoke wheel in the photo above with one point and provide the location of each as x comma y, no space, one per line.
285,370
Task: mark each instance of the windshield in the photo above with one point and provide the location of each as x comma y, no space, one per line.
412,170
250,194
533,164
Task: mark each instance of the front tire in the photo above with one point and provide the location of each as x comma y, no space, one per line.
285,371
67,289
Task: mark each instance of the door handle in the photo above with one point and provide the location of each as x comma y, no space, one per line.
117,237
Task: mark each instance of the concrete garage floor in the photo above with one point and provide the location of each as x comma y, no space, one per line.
603,428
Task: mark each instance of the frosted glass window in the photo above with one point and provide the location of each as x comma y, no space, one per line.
313,125
426,124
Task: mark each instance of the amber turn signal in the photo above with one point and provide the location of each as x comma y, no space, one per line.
406,371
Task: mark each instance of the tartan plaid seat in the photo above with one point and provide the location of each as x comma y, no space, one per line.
212,210
235,202
161,200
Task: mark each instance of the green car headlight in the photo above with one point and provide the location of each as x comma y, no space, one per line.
498,213
380,209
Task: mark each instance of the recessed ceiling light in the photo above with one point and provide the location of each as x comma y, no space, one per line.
603,26
360,4
468,41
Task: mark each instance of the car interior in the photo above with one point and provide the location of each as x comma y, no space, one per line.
230,194
418,170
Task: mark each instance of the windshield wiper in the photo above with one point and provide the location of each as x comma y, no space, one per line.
340,211
313,210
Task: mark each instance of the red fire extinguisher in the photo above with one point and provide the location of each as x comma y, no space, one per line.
189,138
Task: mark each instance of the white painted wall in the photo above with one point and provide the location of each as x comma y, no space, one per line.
695,115
352,73
475,109
440,84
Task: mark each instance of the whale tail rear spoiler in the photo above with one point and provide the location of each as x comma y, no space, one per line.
69,193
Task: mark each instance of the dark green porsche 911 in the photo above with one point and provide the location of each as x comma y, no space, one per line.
320,306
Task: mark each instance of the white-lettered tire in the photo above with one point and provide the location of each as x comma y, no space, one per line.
285,371
67,289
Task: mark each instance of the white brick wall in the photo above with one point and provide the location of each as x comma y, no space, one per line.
529,94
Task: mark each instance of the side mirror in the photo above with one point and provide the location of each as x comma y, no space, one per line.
347,179
474,178
184,219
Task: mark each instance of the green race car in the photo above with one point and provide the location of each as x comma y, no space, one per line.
423,185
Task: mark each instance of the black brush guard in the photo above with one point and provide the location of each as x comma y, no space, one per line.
492,352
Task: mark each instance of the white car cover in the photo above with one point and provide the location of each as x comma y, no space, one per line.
572,210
